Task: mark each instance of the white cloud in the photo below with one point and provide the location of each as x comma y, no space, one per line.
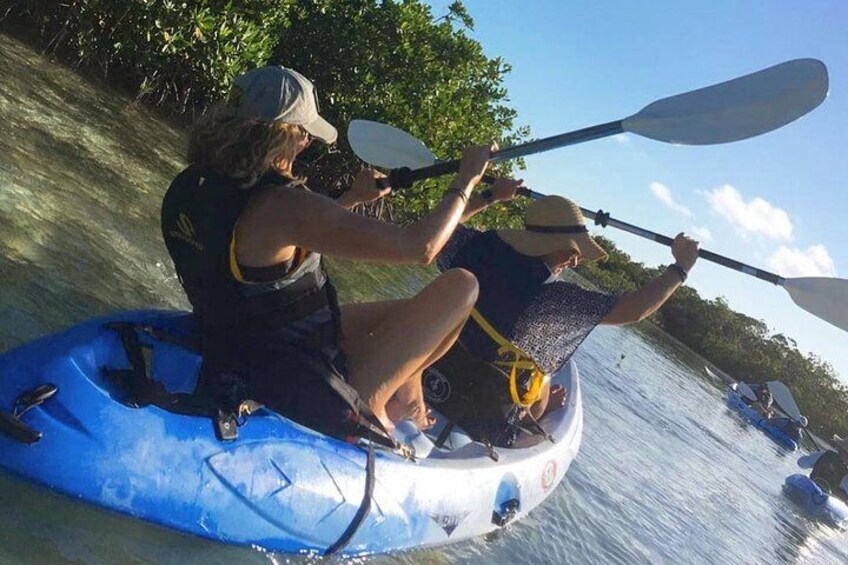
815,261
702,233
662,192
757,216
622,138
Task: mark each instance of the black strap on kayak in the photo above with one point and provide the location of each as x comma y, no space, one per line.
535,428
367,425
364,507
140,389
444,434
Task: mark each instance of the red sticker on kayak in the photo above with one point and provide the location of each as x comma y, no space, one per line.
549,474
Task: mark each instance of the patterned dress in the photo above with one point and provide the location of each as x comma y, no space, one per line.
546,320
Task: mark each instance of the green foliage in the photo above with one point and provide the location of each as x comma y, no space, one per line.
742,346
180,53
391,61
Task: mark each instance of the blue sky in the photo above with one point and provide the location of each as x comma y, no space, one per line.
778,201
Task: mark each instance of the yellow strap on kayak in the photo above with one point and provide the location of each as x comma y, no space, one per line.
521,361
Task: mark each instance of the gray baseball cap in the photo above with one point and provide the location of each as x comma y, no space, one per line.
276,93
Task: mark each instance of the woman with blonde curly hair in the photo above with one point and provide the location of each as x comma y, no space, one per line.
246,238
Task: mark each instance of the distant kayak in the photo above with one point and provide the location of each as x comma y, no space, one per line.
816,503
736,402
278,485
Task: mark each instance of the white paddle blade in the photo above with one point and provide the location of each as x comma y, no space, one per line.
824,297
737,109
716,377
386,146
746,391
783,397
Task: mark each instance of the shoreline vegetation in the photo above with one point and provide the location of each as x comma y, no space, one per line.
394,62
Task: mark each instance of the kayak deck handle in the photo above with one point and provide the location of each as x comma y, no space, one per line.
12,426
506,512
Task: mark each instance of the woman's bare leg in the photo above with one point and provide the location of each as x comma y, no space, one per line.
408,401
388,344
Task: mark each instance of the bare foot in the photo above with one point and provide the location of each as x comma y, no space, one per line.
385,420
395,409
557,398
417,412
427,422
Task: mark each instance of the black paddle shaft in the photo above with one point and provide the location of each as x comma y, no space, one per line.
603,219
404,177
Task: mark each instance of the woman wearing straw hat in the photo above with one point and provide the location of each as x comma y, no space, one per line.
246,238
526,323
830,468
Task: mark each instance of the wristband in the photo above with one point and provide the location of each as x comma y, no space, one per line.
679,271
459,192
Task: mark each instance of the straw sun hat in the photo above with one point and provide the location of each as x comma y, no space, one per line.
551,224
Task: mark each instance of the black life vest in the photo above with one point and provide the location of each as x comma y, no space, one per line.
199,215
829,471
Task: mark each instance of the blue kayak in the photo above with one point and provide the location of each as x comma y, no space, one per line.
279,486
737,403
818,504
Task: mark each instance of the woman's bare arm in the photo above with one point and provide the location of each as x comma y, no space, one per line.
319,224
288,217
639,304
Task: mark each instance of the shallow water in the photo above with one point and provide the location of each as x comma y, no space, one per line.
666,472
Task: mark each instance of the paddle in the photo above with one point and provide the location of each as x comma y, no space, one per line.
783,397
730,111
739,386
387,146
824,297
716,377
746,391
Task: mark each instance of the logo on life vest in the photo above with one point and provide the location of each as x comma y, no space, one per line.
436,386
185,232
185,225
549,474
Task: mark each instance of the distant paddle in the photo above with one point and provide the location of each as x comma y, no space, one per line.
744,107
745,390
783,397
387,146
719,377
